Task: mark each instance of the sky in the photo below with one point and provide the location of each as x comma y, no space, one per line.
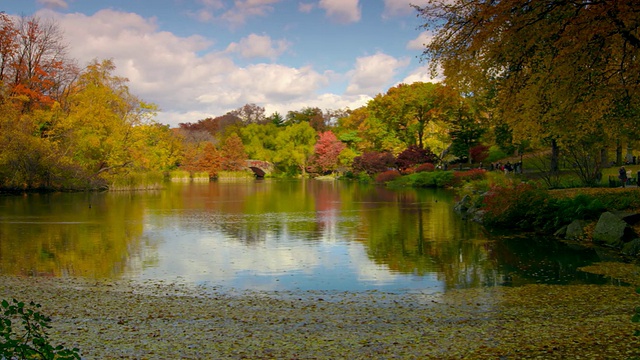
202,58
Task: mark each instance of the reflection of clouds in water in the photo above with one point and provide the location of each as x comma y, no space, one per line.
309,250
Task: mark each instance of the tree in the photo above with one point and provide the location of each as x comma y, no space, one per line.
326,152
260,140
373,162
210,161
414,155
558,69
99,132
409,108
466,131
234,156
295,144
313,116
250,114
38,69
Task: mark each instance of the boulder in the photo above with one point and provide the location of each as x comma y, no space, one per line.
575,230
463,205
612,230
561,232
632,248
630,218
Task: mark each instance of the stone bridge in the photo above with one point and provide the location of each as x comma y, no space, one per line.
260,168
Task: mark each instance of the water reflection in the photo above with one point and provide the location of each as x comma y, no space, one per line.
274,235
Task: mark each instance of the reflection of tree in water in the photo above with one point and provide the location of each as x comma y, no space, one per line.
416,232
527,259
69,234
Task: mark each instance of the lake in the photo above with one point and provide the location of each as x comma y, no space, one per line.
275,235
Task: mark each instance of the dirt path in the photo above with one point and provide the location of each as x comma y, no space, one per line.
119,320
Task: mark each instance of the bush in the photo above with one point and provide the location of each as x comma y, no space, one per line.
495,154
32,342
427,167
373,162
469,175
437,179
522,206
414,155
387,176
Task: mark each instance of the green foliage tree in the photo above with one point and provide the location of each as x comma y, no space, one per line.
260,140
409,108
295,144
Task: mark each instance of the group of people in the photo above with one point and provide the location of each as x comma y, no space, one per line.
508,168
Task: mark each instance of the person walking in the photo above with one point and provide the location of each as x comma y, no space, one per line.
622,175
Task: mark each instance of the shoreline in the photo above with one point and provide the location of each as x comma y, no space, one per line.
119,319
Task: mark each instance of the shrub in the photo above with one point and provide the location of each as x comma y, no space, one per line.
32,342
387,176
373,162
414,155
426,167
496,153
439,179
469,175
522,206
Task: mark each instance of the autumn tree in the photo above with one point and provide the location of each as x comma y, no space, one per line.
313,116
250,114
38,67
374,162
409,108
414,155
210,161
326,152
233,154
99,131
558,70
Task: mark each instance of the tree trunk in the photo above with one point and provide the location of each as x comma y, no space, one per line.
555,155
603,158
619,153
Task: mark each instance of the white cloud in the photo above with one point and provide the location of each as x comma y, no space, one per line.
423,74
306,7
419,43
259,46
401,7
342,11
373,73
54,4
172,72
238,14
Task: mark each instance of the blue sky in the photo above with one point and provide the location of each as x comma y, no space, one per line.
202,58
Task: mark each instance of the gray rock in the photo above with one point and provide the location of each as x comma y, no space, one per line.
575,230
463,205
629,217
561,232
632,248
612,231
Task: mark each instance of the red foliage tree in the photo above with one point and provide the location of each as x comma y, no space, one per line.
414,155
373,162
479,153
326,152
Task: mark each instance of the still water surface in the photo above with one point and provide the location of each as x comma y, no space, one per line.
275,235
